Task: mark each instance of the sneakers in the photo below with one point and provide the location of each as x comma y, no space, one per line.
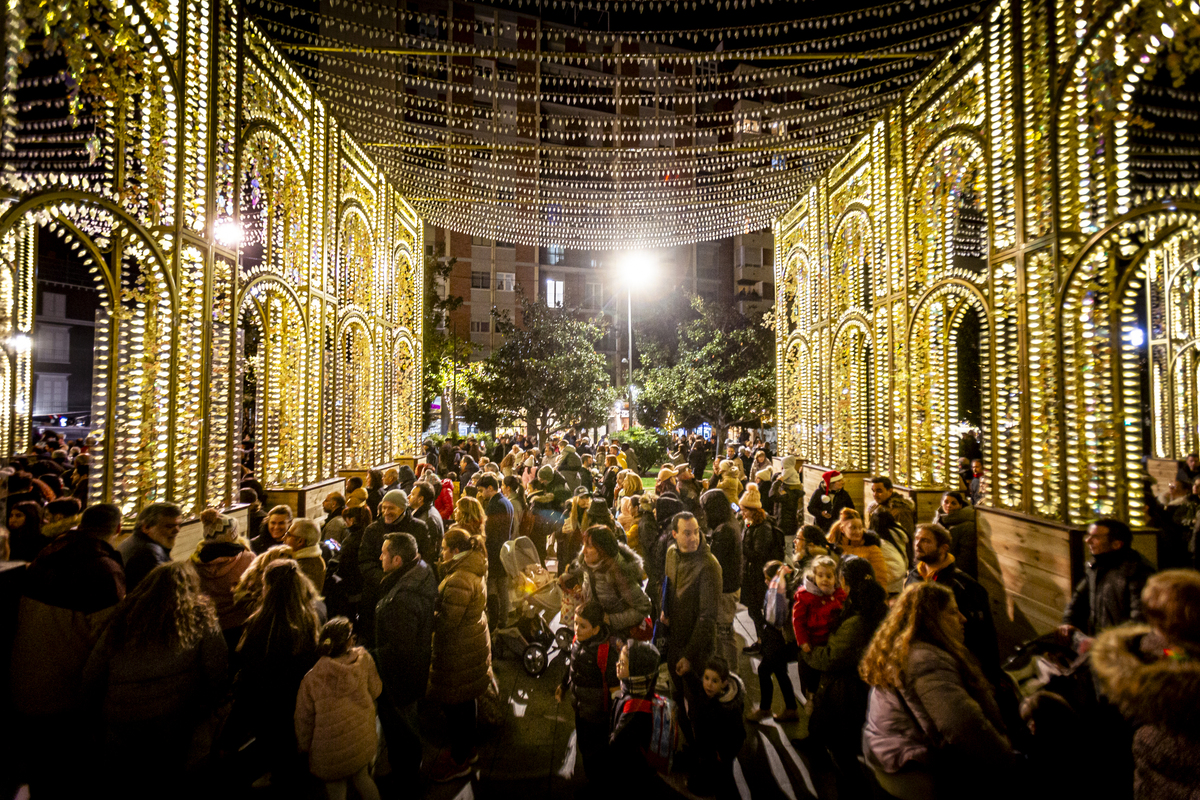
788,715
445,768
752,649
758,715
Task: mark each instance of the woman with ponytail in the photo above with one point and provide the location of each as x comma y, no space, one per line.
933,725
461,669
335,713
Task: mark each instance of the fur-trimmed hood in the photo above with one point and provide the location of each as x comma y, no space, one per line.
1148,688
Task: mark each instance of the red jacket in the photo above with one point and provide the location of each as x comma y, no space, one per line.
813,614
445,500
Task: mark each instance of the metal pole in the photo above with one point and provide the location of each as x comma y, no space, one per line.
629,382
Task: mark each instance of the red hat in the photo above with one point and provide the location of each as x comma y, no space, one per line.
830,477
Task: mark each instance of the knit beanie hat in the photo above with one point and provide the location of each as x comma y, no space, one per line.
218,527
763,474
396,498
751,498
546,473
830,477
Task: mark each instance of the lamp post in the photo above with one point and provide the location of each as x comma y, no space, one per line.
636,266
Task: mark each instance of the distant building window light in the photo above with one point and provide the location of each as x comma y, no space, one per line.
506,281
481,280
554,293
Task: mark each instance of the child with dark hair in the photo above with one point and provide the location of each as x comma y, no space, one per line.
591,677
644,731
335,713
720,733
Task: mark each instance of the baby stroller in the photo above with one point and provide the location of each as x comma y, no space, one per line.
537,597
1046,664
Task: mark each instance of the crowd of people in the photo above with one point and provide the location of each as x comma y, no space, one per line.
274,656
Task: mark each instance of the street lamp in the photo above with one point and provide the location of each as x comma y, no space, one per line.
637,266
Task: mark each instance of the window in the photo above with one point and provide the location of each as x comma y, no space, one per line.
50,394
481,280
555,254
481,326
766,256
506,281
479,241
54,305
593,295
554,293
54,344
509,245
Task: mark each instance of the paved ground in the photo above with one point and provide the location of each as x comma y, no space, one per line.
533,754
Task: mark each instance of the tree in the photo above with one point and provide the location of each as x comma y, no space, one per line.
720,369
446,355
547,372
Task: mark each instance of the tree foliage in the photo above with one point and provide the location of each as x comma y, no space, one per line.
546,373
719,369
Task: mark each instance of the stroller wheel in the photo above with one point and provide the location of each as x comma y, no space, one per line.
563,638
534,660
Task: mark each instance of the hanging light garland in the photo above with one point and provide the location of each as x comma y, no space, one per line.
509,124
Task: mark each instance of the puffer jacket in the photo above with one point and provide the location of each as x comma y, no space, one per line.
335,714
587,680
404,631
932,720
814,614
1111,592
869,548
617,583
1161,697
462,652
964,541
220,566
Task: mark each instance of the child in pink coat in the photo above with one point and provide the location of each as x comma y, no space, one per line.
814,611
335,713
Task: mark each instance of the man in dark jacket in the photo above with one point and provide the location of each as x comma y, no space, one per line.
693,594
1187,472
935,563
403,647
420,502
1111,592
394,517
725,539
903,510
499,529
153,537
70,591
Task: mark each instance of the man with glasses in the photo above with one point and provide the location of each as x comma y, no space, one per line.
1110,592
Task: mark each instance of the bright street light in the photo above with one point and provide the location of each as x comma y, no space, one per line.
228,232
636,267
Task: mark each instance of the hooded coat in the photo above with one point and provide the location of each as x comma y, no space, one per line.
616,582
724,538
335,714
462,652
1161,697
787,492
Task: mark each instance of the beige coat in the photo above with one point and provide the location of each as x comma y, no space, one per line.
335,714
462,651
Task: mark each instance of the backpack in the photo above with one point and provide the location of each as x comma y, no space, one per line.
664,730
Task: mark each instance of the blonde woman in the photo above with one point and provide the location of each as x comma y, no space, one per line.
849,534
468,514
933,724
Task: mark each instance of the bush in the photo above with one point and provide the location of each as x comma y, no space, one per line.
649,446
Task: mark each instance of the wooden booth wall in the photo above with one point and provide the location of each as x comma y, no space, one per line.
998,195
196,127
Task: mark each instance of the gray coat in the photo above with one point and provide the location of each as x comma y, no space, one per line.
617,584
932,712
